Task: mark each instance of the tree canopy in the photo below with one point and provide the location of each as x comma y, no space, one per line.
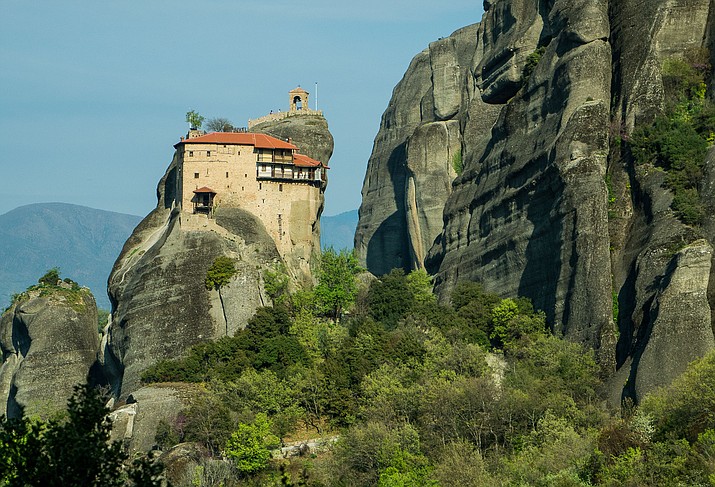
71,451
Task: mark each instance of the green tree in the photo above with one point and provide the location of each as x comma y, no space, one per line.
194,119
419,284
513,319
220,272
50,278
249,446
390,298
208,420
72,451
686,407
336,289
102,318
275,282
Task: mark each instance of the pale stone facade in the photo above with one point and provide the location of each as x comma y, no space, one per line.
298,105
257,173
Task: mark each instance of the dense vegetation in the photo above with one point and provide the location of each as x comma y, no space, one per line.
677,141
70,450
476,391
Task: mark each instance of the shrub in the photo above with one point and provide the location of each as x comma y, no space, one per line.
678,140
50,278
532,60
220,272
457,163
249,446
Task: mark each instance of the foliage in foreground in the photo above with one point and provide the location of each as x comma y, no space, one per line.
70,451
476,391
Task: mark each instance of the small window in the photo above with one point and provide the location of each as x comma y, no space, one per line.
241,188
280,187
260,186
191,153
227,174
208,153
245,175
196,175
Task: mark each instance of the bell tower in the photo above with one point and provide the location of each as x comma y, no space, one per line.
298,100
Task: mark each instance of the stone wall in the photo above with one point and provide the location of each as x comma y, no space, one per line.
275,117
289,210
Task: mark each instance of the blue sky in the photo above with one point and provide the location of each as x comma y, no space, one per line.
93,94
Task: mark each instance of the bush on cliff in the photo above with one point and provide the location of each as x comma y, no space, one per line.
678,140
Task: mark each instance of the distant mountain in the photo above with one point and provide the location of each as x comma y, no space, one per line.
83,242
338,231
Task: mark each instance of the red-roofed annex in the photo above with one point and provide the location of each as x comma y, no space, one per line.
241,167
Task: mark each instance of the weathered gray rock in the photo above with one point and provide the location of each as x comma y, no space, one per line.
644,233
680,329
49,341
511,31
163,306
431,153
136,423
410,171
531,214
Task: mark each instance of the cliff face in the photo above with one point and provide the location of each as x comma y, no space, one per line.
533,105
412,165
49,343
161,306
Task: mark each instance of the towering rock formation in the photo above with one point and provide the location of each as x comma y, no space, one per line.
661,268
411,169
538,95
161,306
49,343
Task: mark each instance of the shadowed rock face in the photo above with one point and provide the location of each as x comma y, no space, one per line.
411,169
49,345
531,214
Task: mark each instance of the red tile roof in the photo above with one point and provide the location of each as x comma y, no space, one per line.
260,141
301,160
205,190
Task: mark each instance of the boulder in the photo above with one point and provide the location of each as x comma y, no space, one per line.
49,341
136,423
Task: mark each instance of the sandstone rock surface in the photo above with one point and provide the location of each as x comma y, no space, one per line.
411,169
